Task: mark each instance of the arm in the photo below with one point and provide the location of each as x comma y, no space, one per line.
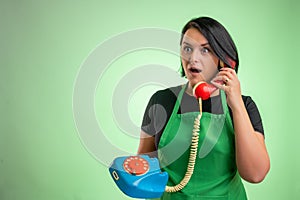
147,141
154,119
252,158
251,154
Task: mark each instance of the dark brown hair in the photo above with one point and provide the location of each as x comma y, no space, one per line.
218,38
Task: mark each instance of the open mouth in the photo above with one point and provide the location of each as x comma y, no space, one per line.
195,70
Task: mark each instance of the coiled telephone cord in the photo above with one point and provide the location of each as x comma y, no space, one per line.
192,157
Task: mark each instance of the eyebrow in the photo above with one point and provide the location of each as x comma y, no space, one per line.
204,44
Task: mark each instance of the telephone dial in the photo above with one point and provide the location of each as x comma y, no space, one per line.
140,176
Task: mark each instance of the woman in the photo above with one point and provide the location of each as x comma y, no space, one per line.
231,143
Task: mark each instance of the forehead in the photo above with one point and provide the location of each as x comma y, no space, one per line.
194,36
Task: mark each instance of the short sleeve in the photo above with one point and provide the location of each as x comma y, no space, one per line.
254,114
156,115
147,123
158,111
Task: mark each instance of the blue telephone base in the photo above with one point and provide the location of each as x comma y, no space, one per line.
148,185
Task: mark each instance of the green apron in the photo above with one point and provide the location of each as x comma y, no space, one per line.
215,175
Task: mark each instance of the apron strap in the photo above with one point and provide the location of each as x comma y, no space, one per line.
178,100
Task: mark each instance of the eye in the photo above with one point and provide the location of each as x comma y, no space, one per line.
187,49
205,50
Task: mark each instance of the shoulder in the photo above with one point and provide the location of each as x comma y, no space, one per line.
166,94
166,97
249,102
247,99
254,114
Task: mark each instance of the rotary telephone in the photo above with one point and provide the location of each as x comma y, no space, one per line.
140,176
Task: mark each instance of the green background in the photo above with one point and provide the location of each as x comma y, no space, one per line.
44,43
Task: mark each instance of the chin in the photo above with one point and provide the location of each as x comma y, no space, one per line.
194,81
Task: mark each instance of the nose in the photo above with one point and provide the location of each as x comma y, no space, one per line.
195,56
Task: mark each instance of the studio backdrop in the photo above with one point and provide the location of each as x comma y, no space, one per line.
76,77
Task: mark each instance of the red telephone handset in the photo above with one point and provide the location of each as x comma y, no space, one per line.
203,90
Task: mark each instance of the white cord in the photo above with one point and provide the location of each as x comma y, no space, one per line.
193,155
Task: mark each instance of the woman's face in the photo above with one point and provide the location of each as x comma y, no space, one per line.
198,60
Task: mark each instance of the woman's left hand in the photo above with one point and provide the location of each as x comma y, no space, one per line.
228,81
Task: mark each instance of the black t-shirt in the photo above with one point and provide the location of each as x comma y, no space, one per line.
161,104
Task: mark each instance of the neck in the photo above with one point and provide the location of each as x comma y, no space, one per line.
189,90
